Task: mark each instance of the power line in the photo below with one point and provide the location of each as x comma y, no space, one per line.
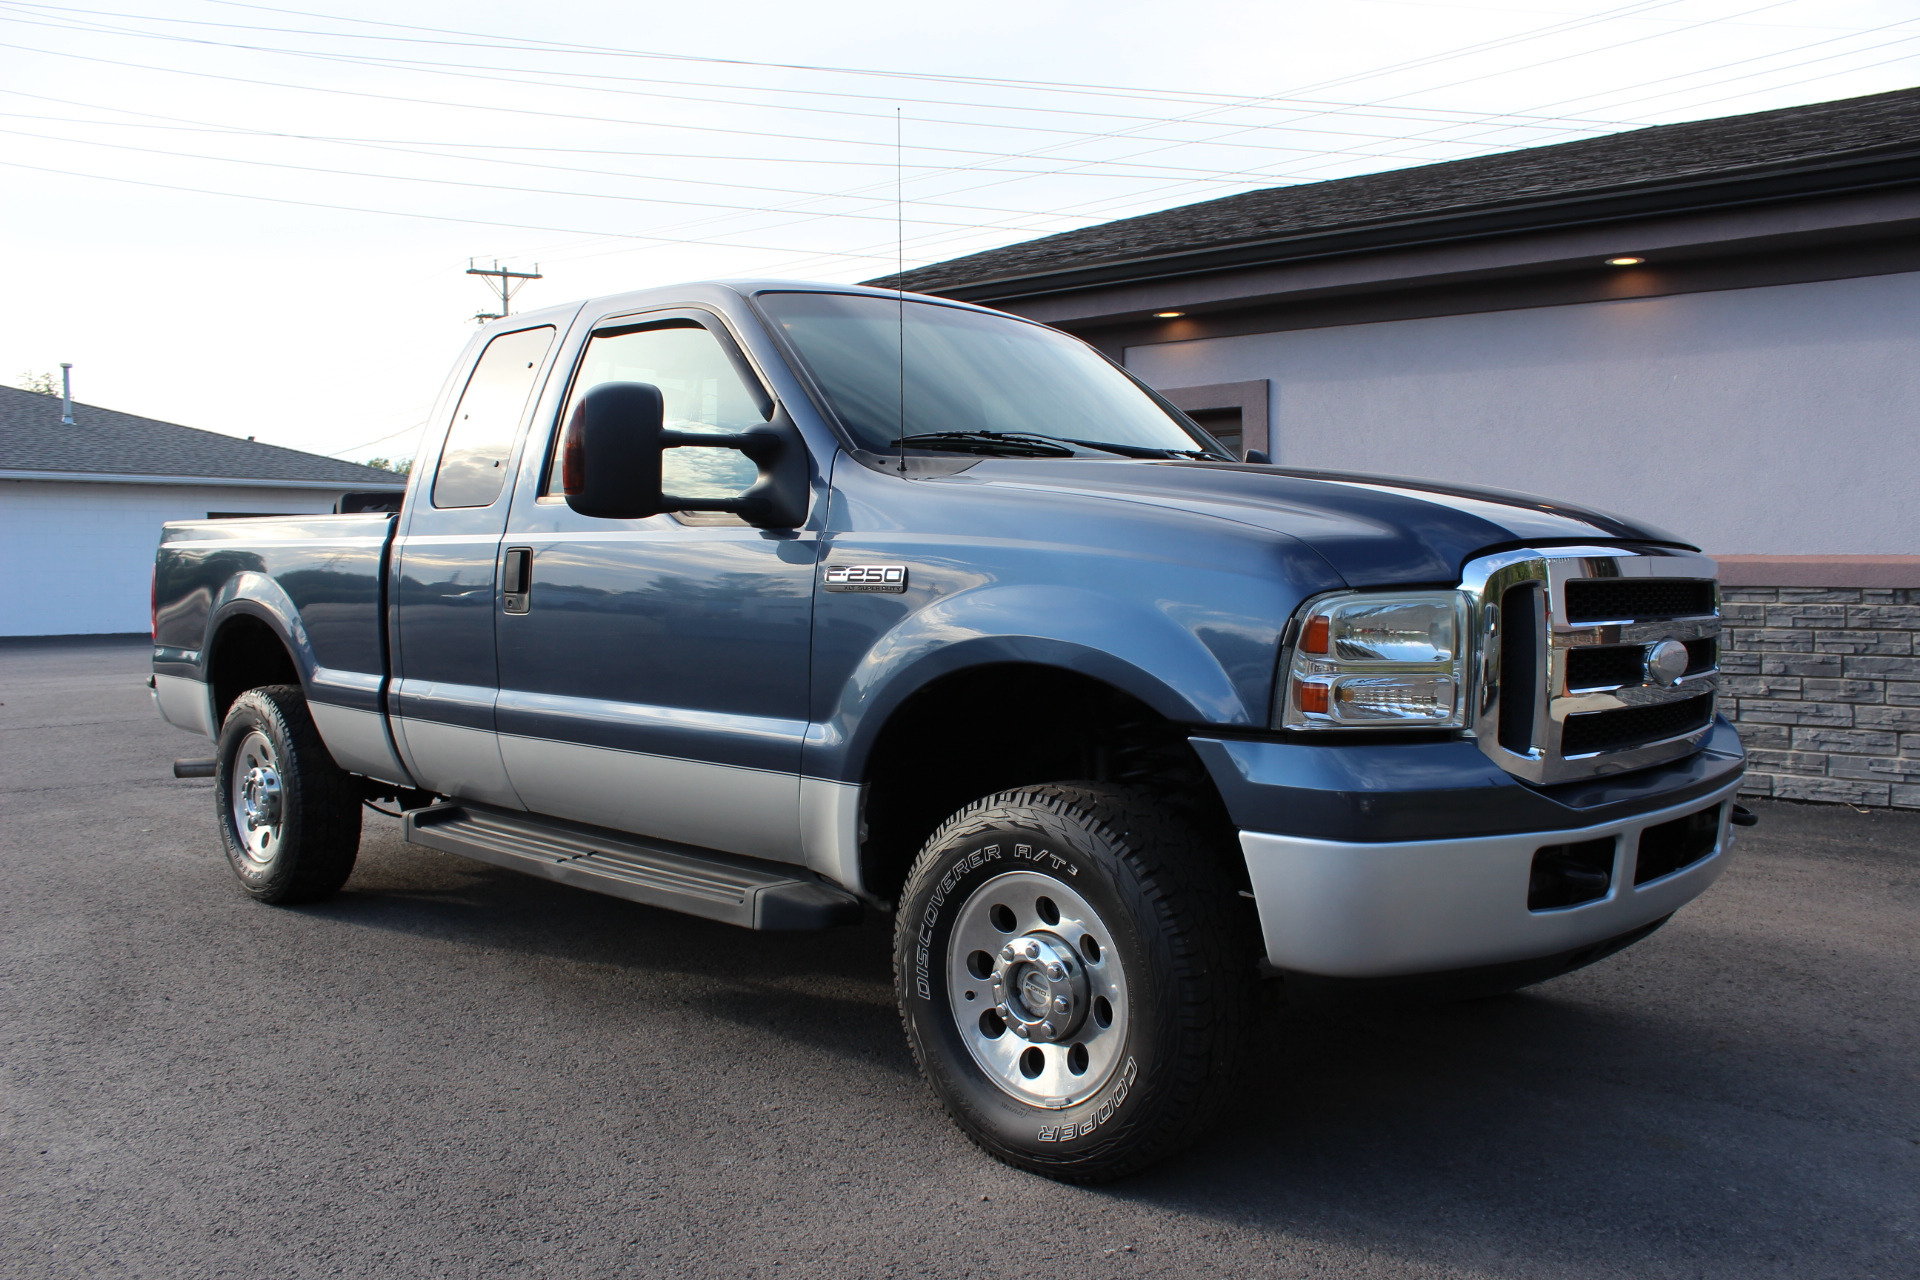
355,448
409,147
1225,100
458,71
524,111
185,124
429,217
574,47
457,182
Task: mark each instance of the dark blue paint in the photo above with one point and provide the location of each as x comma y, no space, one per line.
314,579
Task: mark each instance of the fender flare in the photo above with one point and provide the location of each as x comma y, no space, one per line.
256,595
1130,647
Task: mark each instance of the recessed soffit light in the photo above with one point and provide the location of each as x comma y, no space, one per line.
1625,261
1168,315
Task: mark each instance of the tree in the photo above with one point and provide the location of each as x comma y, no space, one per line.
44,384
399,466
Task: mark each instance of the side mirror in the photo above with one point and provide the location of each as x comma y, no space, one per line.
610,461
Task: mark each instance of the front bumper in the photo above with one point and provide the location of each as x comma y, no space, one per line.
1370,910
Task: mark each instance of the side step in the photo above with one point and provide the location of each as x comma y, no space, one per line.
699,882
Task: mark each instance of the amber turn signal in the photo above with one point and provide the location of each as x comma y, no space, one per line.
1311,697
1315,639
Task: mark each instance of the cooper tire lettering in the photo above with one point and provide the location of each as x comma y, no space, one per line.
997,994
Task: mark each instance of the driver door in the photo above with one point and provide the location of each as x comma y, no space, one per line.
657,680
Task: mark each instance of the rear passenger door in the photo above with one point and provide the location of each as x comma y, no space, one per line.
445,668
654,678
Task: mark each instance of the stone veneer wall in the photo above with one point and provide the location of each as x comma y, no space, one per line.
1823,681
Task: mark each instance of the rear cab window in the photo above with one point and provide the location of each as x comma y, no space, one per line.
473,462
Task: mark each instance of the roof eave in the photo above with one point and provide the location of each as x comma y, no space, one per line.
1844,174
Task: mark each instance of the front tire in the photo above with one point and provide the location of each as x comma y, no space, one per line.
289,816
1076,977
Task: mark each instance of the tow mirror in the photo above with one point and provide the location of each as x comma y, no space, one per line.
610,461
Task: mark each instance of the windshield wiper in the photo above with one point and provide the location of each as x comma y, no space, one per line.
1031,444
1135,450
1017,444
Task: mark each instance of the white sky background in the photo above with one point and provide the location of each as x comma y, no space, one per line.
541,134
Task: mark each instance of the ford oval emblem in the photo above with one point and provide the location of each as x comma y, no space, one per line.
1667,662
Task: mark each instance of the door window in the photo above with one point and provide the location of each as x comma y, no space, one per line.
703,391
473,465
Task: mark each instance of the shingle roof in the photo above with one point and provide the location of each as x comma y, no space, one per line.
1792,138
106,442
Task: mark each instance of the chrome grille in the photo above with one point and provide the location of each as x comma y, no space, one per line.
1564,689
1591,600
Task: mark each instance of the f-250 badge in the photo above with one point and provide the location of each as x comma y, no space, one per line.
890,578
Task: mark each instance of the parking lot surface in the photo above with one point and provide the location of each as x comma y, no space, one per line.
453,1070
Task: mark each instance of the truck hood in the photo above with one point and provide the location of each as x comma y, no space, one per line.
1373,530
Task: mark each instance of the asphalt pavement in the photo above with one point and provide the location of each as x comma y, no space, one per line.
453,1070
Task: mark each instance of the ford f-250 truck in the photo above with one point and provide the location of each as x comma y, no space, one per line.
777,603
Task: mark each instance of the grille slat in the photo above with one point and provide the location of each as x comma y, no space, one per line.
1638,599
1606,666
1592,731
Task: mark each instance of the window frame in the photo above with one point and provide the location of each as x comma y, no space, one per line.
756,385
541,370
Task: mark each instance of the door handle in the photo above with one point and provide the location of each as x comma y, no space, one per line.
516,580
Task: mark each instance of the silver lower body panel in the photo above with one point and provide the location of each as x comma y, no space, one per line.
1349,910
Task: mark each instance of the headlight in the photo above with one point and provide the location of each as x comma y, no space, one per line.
1370,660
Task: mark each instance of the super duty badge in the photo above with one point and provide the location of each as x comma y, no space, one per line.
867,577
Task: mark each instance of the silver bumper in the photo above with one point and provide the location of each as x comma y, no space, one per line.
1428,906
185,704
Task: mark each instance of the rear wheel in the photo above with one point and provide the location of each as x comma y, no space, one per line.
1076,978
289,816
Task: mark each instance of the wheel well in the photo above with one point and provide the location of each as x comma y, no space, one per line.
246,654
989,728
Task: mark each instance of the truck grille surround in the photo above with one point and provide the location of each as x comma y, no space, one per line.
1565,688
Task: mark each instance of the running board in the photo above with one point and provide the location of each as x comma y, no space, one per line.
699,882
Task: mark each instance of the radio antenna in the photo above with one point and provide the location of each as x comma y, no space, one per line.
900,285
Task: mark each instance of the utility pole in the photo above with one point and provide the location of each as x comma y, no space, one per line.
504,283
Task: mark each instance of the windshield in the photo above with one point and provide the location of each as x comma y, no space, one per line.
974,383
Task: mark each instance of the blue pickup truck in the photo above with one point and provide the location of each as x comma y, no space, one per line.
780,603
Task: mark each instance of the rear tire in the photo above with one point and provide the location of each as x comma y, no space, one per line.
1076,976
289,816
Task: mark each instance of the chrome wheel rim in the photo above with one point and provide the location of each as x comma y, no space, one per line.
1037,989
258,801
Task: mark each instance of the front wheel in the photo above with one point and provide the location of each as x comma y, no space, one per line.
289,816
1076,978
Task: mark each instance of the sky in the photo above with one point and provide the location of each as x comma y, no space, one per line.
258,219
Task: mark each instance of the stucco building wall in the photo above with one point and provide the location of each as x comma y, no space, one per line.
1781,419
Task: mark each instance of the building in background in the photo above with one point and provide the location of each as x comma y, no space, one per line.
1711,326
81,505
